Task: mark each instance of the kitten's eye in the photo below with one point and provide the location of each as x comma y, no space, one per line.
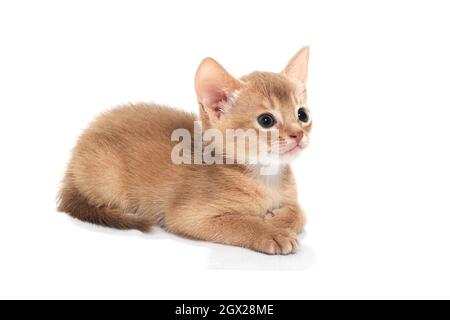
303,115
266,120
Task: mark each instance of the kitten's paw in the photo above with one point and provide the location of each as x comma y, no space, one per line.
279,241
286,218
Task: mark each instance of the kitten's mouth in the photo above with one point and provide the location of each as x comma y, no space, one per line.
292,150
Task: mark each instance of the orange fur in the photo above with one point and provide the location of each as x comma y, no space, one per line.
121,174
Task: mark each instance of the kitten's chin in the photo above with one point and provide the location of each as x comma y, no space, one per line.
281,159
291,155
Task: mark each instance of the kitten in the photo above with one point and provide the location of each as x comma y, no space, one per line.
121,173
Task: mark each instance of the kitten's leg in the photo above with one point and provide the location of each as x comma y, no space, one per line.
247,231
287,217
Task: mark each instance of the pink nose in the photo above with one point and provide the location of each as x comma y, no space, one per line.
297,136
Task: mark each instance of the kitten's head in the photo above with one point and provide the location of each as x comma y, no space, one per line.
262,101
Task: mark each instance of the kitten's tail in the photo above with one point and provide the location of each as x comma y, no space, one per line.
75,204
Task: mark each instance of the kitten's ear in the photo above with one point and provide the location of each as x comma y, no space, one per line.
297,68
215,88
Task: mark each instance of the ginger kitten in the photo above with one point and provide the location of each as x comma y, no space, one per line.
122,173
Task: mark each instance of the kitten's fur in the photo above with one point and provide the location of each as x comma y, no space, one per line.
121,174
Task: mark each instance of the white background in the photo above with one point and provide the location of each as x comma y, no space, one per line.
375,181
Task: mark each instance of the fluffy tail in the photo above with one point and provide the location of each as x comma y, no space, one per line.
76,205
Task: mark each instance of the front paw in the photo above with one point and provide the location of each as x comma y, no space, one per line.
277,241
287,218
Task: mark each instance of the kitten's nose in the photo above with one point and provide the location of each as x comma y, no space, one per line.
298,135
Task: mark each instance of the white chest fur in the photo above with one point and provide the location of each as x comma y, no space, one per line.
271,184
